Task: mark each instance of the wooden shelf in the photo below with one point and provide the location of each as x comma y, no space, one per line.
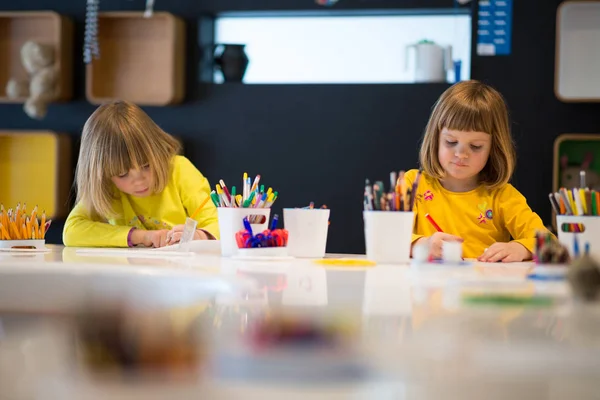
46,27
35,168
142,60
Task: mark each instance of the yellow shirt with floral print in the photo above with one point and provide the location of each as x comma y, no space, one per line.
480,216
186,190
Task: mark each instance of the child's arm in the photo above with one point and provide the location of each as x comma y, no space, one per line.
82,231
522,224
194,189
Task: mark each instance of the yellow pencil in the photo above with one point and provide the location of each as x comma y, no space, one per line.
24,230
28,224
34,213
14,232
4,235
36,227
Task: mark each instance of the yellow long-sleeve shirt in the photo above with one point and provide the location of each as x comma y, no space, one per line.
186,189
481,217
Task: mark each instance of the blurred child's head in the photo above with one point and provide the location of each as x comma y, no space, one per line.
468,136
122,148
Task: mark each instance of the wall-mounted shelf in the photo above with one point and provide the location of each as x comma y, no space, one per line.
142,60
46,27
577,69
35,167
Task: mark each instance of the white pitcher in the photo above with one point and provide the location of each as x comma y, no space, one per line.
431,62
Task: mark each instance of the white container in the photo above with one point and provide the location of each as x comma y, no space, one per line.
590,234
307,231
29,244
231,222
431,62
388,236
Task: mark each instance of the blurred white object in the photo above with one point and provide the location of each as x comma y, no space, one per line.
452,251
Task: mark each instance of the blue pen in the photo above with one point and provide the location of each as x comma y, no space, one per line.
274,222
575,246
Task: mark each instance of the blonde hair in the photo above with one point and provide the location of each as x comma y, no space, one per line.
477,107
117,137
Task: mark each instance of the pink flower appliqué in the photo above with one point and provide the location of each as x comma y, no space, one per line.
482,219
428,195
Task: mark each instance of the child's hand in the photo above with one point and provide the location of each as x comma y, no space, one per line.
174,235
505,252
149,238
436,240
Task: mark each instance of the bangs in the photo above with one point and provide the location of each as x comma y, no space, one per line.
124,150
466,115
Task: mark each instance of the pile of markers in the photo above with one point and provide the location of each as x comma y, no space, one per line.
399,198
252,195
269,238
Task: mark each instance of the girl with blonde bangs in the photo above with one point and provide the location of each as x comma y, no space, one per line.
468,158
132,186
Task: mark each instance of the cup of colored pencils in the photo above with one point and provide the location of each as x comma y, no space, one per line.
400,197
20,230
388,232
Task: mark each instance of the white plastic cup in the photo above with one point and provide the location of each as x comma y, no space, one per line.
388,236
231,222
307,231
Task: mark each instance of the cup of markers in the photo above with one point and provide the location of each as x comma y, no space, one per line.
253,204
389,219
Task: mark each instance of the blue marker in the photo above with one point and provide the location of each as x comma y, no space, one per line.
575,246
247,226
274,222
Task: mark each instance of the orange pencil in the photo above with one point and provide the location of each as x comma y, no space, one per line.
431,220
24,230
28,224
193,215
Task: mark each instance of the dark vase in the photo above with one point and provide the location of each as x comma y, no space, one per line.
232,61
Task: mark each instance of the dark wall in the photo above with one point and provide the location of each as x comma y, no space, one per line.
319,142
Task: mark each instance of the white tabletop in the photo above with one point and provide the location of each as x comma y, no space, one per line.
415,335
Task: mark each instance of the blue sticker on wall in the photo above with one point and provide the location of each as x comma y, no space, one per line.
494,27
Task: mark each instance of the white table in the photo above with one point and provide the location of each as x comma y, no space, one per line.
414,332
